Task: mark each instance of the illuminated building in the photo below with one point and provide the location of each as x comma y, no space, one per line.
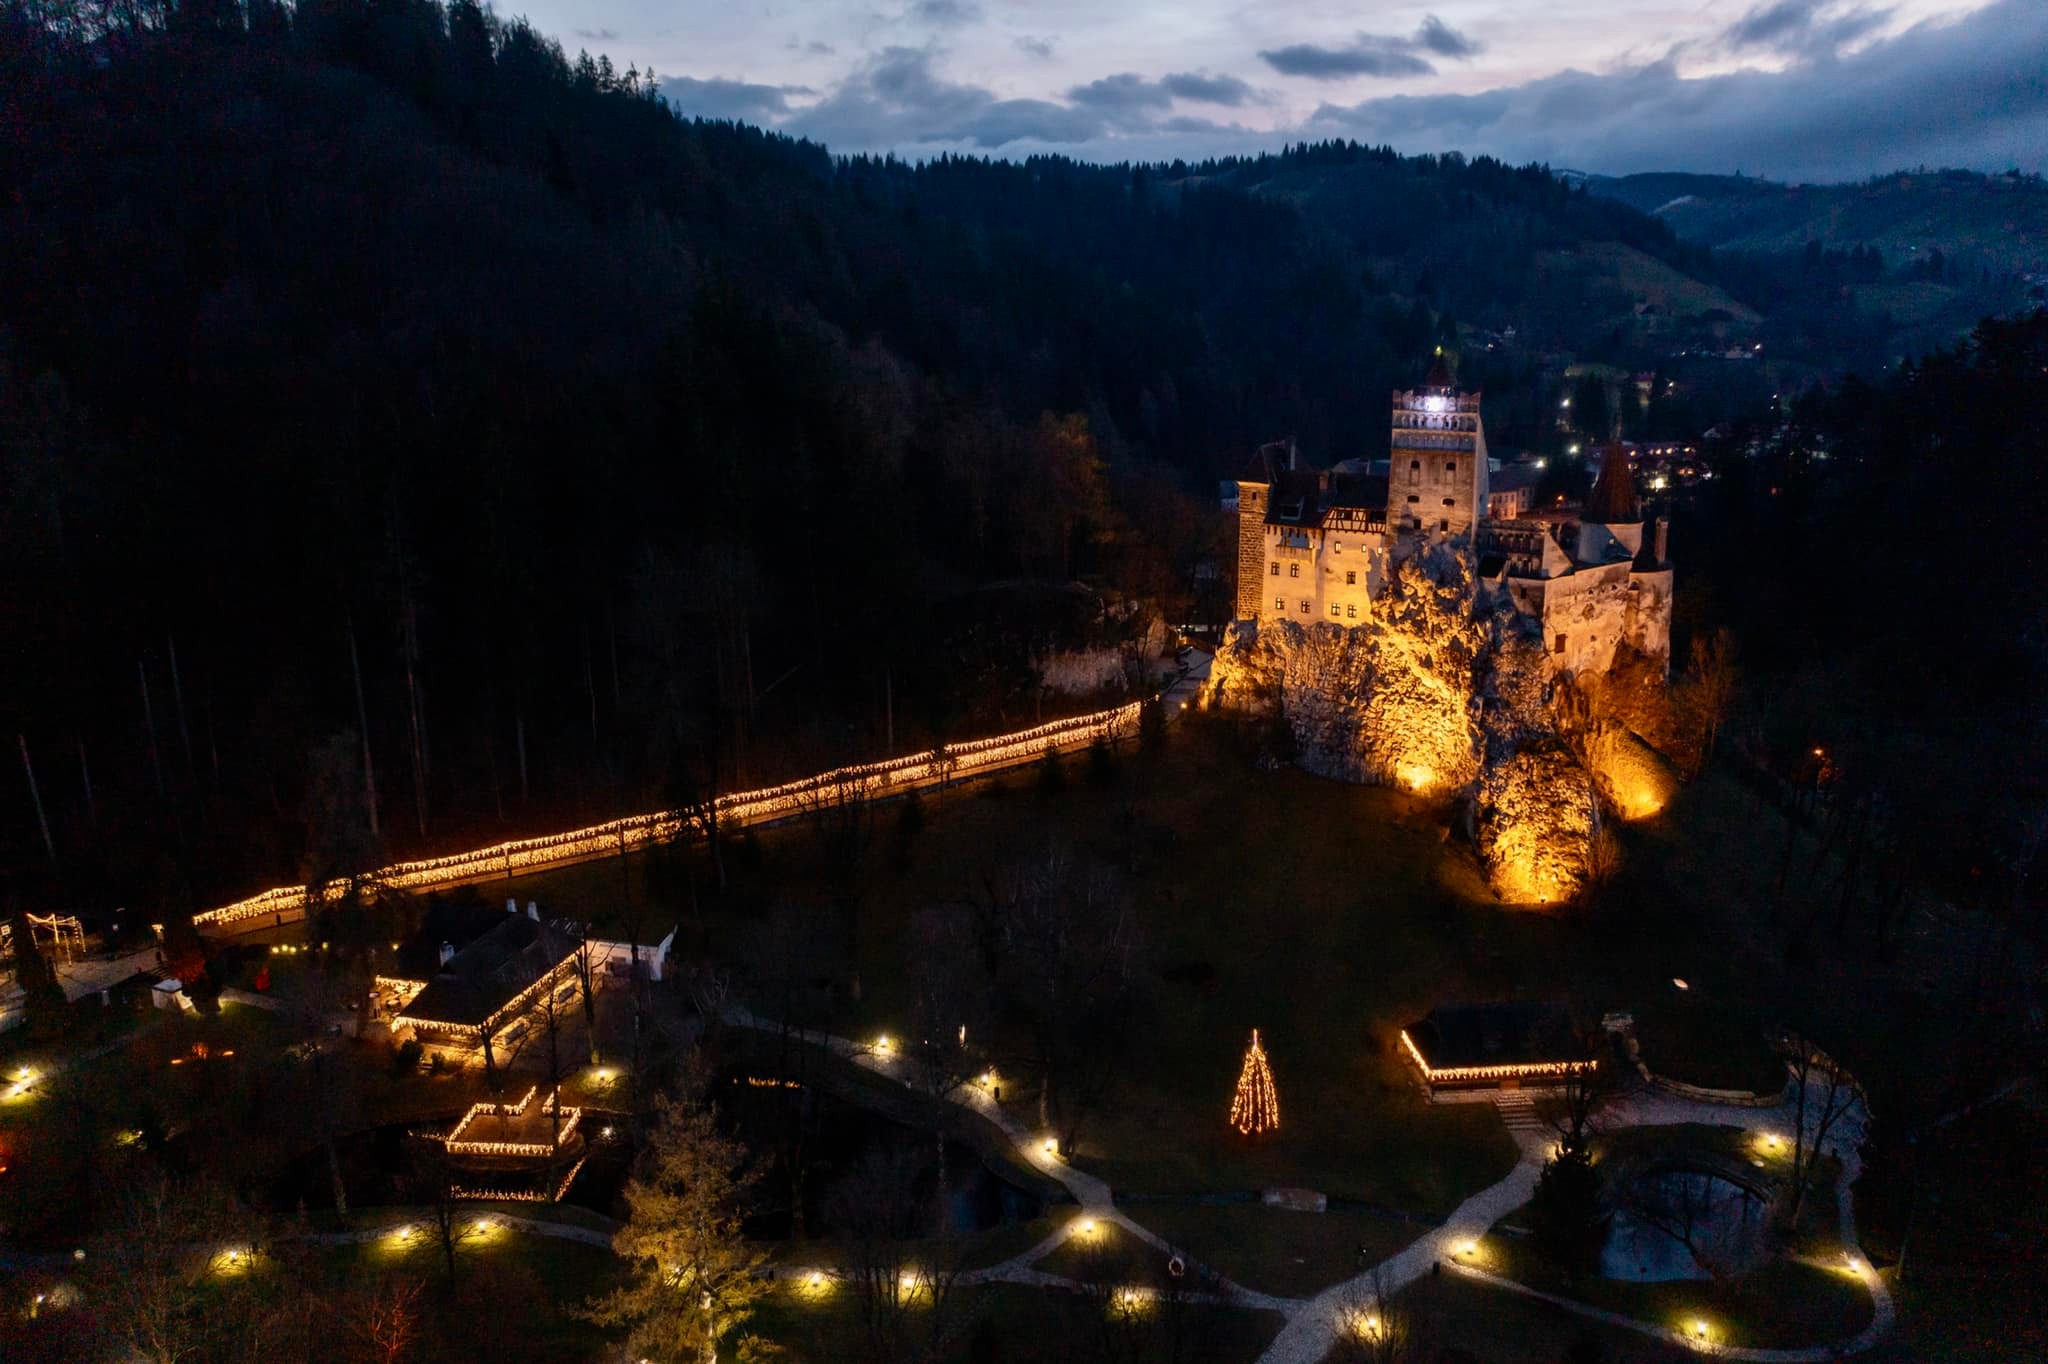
1484,1046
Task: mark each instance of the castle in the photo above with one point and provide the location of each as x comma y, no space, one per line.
1318,544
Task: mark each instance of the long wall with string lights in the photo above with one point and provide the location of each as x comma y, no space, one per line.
840,786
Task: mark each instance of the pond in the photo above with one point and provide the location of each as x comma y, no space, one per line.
789,1122
782,1123
1673,1223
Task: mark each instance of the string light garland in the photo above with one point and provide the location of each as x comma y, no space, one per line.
1255,1108
1527,1070
839,786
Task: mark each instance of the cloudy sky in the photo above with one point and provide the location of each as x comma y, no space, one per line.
1793,89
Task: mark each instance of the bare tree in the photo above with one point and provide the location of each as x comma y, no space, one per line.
1708,689
902,1281
432,1178
1372,1328
171,1278
314,1013
1691,1208
1066,944
583,960
949,1008
1823,1095
386,1318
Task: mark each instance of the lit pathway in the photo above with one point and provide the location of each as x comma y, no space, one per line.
1312,1324
1092,1194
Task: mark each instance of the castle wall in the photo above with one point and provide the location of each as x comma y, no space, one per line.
1589,614
1319,576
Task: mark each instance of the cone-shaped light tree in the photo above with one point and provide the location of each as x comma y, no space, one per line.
1256,1106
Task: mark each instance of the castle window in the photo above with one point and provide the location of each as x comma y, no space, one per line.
1444,524
1351,578
1413,498
1294,570
1450,502
1274,568
1450,466
1558,646
1304,606
1352,611
1279,603
1415,471
1333,608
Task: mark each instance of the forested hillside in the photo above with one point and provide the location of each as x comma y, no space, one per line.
1930,251
473,413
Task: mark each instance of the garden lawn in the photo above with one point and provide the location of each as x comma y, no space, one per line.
1291,1254
1326,916
1448,1314
1782,1304
1016,1325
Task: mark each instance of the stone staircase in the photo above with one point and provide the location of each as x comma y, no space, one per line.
1517,1109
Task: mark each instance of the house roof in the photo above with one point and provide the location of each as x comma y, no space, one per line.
1497,1034
1439,375
483,977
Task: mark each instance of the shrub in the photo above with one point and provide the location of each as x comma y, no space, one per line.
406,1059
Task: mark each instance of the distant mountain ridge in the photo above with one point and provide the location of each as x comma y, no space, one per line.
1999,222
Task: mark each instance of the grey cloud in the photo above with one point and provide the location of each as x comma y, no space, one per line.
1040,48
1963,93
1374,54
895,100
945,13
1342,63
1128,92
728,98
1203,88
1181,123
1814,29
596,35
1439,37
1766,25
1122,93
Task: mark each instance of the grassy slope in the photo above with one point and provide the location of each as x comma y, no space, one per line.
1650,279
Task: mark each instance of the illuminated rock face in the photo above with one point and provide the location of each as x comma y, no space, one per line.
1387,702
1449,695
1635,779
1536,825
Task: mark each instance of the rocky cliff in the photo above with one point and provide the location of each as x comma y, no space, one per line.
1448,693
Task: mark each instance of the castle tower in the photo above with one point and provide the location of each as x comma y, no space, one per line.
1254,500
1436,481
1611,526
